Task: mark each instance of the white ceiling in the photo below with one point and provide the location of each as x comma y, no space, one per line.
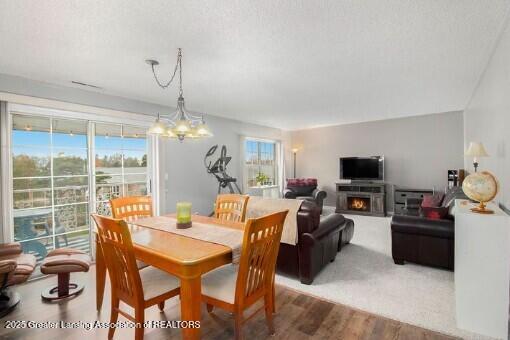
288,64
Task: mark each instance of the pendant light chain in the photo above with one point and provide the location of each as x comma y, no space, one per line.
179,60
177,65
182,124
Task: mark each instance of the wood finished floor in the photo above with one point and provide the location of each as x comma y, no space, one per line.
298,317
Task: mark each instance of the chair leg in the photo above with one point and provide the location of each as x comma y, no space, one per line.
114,316
161,305
210,308
100,276
140,318
268,307
238,324
273,299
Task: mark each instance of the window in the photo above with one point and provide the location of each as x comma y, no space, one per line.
260,162
56,164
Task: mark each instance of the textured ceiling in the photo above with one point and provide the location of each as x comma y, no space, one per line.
287,64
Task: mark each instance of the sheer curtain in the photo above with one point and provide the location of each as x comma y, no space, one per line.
281,167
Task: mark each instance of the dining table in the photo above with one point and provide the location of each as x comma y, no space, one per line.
184,257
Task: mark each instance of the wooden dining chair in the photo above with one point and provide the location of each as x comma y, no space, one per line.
231,207
131,208
235,288
138,289
128,209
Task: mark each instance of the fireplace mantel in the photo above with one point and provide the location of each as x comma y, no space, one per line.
363,198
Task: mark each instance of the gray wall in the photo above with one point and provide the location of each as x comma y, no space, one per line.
418,150
487,117
181,162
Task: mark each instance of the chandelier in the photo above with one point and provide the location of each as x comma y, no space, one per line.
180,124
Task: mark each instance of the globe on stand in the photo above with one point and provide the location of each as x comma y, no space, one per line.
481,187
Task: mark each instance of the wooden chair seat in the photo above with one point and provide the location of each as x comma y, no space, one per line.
156,282
220,284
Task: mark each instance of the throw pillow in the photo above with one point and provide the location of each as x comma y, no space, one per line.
432,200
431,207
434,213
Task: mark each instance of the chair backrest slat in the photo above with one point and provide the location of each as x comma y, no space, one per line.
258,256
131,208
231,207
117,247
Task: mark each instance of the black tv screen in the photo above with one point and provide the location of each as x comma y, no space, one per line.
362,168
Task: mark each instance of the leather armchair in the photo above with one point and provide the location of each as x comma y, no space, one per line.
423,240
305,189
15,268
319,241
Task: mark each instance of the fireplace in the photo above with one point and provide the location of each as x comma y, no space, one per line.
362,198
358,203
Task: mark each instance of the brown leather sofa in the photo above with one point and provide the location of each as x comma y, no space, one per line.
15,268
423,240
319,240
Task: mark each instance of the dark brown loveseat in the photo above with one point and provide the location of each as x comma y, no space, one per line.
319,240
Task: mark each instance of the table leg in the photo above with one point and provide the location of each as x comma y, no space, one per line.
100,275
191,296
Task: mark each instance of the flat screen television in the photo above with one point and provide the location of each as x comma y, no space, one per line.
362,168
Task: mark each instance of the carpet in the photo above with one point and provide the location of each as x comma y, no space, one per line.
364,276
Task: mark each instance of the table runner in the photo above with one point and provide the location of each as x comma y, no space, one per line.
209,232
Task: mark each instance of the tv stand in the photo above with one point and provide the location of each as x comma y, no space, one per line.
362,198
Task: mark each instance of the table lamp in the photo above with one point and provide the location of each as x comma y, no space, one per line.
476,150
183,215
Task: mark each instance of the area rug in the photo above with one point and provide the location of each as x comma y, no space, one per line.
364,276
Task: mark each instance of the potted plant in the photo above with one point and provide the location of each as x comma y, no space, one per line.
261,179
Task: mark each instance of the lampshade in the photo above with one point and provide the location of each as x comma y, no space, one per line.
169,133
294,150
192,133
476,149
158,128
182,126
202,130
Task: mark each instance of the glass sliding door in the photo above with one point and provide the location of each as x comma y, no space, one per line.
70,183
50,183
120,163
63,169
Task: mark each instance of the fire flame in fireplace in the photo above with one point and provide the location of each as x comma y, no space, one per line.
358,203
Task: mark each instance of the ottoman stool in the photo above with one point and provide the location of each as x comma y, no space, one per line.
63,262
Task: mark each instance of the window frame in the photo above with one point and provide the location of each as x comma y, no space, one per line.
277,157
